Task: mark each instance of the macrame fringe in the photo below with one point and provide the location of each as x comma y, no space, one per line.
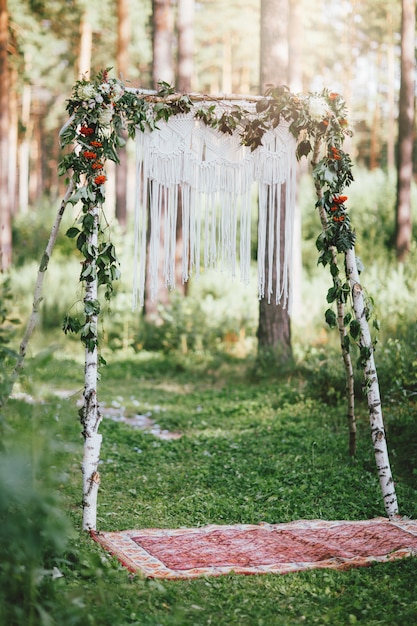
210,176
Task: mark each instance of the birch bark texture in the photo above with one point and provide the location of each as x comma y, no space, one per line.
372,390
90,412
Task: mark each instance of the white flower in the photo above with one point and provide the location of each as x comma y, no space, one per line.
105,116
317,108
86,92
116,92
104,87
99,98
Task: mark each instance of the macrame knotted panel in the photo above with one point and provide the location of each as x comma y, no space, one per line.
185,167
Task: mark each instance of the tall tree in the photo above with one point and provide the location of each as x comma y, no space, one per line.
162,70
162,36
391,94
5,200
274,42
86,45
405,130
122,53
185,72
295,83
274,329
185,29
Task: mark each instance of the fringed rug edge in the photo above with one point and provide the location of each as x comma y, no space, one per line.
118,544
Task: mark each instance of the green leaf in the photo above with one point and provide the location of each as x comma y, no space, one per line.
80,194
72,232
115,273
346,343
321,242
344,292
325,257
88,222
92,307
262,105
62,168
354,329
332,294
303,148
334,270
88,273
364,355
331,318
82,238
329,177
71,324
347,319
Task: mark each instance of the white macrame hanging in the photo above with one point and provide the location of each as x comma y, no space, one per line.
213,175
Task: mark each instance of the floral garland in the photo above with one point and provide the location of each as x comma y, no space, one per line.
102,110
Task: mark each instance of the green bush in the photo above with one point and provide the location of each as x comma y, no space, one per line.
7,331
30,234
397,366
371,201
217,314
33,536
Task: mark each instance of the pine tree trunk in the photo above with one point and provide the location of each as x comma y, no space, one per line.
391,97
86,44
13,141
274,329
162,69
123,39
185,28
24,151
405,131
274,43
36,171
295,82
162,22
295,46
5,204
374,156
372,390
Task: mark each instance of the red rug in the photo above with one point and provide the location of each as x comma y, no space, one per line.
260,549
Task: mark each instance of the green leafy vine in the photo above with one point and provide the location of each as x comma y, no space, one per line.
102,110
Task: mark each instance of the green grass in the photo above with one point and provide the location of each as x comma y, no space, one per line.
253,449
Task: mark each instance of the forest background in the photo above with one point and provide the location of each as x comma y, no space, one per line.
352,47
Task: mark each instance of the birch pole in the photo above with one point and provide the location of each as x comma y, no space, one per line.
372,389
90,412
347,361
37,294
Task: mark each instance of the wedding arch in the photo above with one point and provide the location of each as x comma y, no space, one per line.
206,152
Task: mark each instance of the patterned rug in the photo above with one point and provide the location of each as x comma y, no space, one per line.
260,549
